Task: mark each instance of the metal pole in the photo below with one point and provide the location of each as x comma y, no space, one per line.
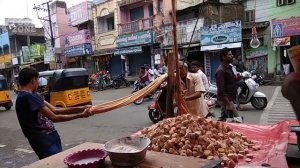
50,24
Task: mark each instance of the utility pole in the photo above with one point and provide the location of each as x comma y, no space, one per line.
37,8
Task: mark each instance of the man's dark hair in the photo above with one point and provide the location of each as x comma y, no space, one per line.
223,52
196,63
27,74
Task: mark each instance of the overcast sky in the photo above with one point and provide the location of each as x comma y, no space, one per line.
23,8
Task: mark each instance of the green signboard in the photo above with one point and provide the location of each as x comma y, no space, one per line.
257,52
37,51
128,50
137,38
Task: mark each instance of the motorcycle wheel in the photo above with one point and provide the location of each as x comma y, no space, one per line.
116,85
138,102
155,115
259,103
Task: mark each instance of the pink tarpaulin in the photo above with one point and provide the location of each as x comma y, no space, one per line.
272,139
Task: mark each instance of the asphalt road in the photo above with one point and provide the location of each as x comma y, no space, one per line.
15,151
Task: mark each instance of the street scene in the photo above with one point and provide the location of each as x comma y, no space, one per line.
192,83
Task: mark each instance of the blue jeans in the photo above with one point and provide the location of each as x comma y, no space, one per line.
45,145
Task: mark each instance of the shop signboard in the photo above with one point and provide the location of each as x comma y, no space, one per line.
281,41
49,56
4,43
78,14
26,53
79,50
137,38
286,27
37,51
229,32
128,50
77,38
257,52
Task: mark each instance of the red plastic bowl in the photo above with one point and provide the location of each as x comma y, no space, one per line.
90,158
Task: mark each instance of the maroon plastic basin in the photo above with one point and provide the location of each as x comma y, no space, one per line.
89,158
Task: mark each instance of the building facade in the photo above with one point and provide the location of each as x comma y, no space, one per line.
78,44
106,18
60,28
22,44
139,31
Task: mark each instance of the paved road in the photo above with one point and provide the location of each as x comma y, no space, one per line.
15,151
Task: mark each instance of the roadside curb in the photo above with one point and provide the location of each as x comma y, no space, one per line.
265,114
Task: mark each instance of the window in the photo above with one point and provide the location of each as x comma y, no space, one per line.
159,5
290,1
110,24
280,2
106,23
249,16
285,2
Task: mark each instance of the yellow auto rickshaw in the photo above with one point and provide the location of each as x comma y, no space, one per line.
69,87
5,100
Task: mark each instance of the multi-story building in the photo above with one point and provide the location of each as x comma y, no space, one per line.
21,44
284,33
219,26
78,44
139,32
60,28
106,18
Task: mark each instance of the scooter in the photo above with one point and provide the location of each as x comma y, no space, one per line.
258,99
138,86
157,110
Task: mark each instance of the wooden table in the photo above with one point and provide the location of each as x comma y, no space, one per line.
152,160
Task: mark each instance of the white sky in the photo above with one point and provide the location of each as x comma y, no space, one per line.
24,8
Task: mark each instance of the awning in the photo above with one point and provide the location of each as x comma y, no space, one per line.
221,46
103,52
128,50
33,63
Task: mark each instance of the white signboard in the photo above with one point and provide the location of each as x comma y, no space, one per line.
48,56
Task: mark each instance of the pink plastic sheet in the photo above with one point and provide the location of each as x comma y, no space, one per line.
272,139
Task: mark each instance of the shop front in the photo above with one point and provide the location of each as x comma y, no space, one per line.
136,49
285,34
78,50
216,37
257,59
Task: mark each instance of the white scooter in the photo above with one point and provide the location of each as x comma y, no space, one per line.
258,99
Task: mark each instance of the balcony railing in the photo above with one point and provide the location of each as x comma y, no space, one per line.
135,26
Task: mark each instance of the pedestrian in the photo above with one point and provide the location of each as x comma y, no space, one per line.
201,73
156,71
240,83
227,85
193,90
36,116
240,67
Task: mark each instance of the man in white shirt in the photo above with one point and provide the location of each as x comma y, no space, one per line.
150,72
202,74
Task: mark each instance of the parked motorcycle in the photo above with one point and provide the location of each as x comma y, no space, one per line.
257,76
258,99
106,82
119,81
138,86
157,110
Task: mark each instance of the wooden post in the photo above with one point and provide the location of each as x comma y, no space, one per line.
170,86
173,62
177,81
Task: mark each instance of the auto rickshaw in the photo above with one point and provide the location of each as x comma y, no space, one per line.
5,100
46,75
69,87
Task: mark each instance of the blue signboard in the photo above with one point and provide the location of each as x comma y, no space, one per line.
4,43
229,32
132,39
277,30
78,50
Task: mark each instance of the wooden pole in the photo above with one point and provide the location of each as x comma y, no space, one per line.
173,62
170,86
